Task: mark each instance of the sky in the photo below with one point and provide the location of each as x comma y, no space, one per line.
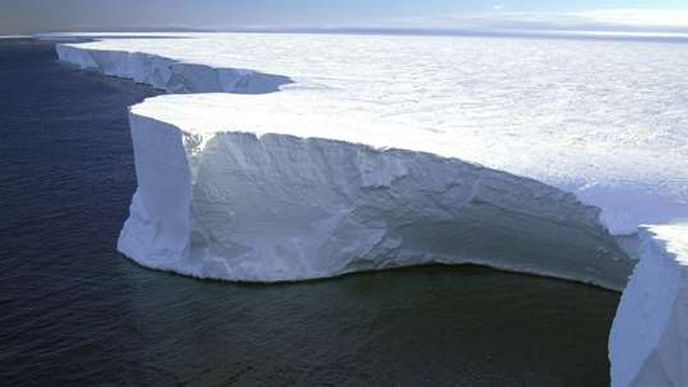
28,16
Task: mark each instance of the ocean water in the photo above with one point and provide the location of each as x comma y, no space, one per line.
75,312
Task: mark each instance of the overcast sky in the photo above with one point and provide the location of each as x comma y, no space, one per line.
25,16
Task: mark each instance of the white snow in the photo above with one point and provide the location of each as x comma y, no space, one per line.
358,152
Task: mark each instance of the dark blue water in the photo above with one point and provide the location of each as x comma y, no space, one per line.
75,312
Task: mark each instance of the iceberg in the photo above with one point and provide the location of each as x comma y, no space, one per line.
284,157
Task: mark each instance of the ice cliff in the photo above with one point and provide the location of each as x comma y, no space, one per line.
249,205
171,75
649,339
378,152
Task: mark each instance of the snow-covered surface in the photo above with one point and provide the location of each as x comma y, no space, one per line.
358,152
605,120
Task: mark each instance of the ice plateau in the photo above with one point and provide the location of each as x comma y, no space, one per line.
293,156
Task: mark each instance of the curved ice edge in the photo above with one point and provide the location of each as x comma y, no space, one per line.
655,362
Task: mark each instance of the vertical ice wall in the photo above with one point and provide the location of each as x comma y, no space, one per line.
648,344
274,207
171,75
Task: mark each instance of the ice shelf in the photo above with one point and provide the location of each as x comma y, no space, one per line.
307,156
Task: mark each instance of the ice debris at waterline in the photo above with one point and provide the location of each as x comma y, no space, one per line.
365,152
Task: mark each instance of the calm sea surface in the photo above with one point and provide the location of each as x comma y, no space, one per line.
74,311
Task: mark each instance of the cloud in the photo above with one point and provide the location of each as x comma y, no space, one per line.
619,20
640,17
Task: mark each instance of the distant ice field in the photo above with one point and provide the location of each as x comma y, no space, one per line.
607,120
